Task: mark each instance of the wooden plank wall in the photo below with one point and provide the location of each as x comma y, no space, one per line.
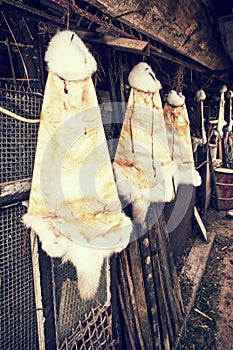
148,302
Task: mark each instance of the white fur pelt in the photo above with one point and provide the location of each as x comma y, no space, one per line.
142,165
175,99
179,138
200,95
223,89
141,194
199,135
229,94
74,205
142,78
221,119
87,257
68,57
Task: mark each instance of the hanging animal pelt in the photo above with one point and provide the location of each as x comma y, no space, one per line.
198,127
221,117
179,138
74,205
228,110
228,131
143,167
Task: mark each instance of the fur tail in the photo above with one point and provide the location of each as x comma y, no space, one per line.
139,209
88,280
88,263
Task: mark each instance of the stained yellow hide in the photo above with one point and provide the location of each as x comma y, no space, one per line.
179,140
143,166
73,179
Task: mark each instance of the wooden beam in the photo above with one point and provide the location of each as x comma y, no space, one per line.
109,27
14,192
35,13
188,28
118,43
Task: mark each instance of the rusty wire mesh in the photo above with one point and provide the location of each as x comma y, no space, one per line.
18,311
17,304
93,332
17,150
70,308
18,139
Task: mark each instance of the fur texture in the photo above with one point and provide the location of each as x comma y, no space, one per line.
74,206
223,89
87,259
179,140
229,94
141,198
69,58
143,78
188,175
174,98
139,209
200,95
196,141
143,168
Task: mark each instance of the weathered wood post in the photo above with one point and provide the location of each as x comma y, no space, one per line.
149,301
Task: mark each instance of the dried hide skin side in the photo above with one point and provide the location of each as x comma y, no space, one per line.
142,165
221,119
74,205
179,139
198,131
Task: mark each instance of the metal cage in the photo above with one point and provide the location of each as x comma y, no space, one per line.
76,321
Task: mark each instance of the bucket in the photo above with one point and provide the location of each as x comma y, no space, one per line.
224,187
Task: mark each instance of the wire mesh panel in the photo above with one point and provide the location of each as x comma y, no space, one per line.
18,311
94,332
17,138
71,309
18,321
17,304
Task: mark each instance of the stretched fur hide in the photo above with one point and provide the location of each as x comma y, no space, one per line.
178,132
200,95
198,130
229,94
74,205
221,118
143,168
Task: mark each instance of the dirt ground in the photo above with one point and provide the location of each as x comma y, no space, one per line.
210,322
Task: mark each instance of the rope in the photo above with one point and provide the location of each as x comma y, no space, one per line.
15,116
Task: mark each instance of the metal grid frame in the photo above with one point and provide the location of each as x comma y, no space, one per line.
18,139
70,309
94,332
18,145
18,322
